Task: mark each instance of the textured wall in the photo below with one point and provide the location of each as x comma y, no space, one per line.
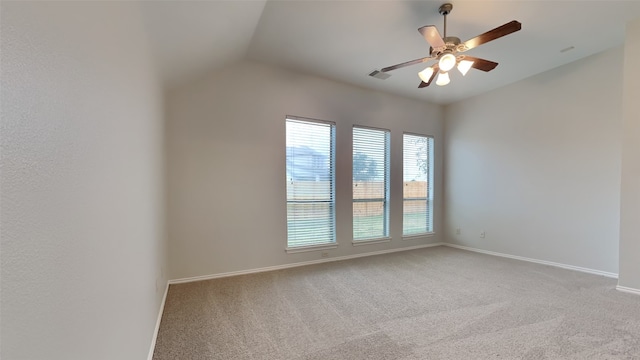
630,195
536,165
226,164
82,204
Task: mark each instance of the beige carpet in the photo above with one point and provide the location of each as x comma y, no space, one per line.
434,303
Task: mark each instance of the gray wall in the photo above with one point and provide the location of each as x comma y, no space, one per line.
226,162
536,165
83,247
630,195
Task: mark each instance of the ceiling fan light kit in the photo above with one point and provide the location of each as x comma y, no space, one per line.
425,74
447,62
464,66
446,51
443,78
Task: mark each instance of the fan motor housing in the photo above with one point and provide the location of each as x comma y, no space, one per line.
452,45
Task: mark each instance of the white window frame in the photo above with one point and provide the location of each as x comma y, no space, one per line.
332,244
387,191
430,189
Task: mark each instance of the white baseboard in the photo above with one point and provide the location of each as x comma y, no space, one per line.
543,262
304,263
155,331
628,290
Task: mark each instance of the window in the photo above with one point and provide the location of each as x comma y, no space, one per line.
417,199
310,158
370,184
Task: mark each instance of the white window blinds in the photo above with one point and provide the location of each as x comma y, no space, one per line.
370,183
310,163
417,210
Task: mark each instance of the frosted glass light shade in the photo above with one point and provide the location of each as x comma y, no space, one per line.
443,79
425,74
464,66
447,62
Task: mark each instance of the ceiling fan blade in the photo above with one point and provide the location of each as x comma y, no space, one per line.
481,64
490,35
433,37
436,70
408,63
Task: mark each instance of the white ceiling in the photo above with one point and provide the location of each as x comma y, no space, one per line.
345,40
189,38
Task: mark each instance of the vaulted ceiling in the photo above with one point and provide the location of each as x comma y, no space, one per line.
345,40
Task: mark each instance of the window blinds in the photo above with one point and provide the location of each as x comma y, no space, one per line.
370,183
310,163
417,209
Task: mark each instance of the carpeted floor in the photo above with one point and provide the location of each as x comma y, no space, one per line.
433,303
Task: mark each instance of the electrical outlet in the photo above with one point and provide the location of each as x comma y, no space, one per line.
325,254
482,234
458,231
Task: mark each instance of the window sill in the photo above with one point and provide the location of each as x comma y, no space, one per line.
300,249
370,241
416,236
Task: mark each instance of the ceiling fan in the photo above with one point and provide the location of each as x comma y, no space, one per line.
447,51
